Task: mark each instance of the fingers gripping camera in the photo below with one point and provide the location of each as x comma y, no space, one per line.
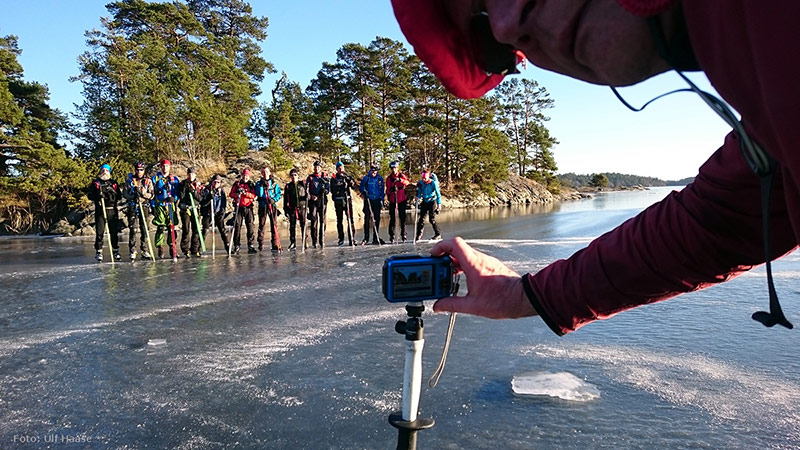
415,278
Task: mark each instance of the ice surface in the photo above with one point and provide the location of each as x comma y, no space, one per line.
563,385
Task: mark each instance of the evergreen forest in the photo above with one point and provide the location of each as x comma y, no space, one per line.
181,80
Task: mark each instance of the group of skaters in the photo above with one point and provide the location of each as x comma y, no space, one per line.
193,209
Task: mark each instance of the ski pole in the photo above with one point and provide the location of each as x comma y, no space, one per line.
233,231
197,223
374,224
323,219
303,227
274,217
107,230
146,230
213,219
348,211
172,230
416,211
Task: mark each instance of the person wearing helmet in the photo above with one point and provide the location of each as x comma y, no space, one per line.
430,200
165,217
106,188
190,189
138,191
341,184
396,184
372,190
318,185
743,208
243,193
295,199
269,194
212,207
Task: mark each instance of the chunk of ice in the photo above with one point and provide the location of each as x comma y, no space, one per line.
563,385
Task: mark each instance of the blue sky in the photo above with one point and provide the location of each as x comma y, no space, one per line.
669,140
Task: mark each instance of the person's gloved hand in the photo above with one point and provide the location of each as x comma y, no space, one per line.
493,290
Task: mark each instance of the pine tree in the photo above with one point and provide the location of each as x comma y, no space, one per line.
38,179
167,79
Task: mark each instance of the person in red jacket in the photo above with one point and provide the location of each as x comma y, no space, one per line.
747,50
243,193
396,184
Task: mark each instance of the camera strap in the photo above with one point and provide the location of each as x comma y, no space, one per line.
434,379
437,374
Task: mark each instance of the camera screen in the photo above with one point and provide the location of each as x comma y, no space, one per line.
413,281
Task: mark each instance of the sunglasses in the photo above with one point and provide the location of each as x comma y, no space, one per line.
496,58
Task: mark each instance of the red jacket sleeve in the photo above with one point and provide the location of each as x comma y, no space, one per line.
705,234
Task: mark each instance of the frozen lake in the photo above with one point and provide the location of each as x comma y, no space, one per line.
298,350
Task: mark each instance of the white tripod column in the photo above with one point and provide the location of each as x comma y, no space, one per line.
412,379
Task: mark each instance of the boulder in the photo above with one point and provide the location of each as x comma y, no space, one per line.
62,227
75,217
87,230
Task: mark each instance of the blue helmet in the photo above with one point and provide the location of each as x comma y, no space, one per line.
339,164
106,167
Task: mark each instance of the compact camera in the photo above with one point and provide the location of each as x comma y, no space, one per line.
414,278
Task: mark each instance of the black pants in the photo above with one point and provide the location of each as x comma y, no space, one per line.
189,232
245,214
137,224
296,215
344,207
316,213
375,205
100,226
428,208
401,212
219,227
264,212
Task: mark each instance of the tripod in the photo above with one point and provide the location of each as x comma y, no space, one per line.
406,421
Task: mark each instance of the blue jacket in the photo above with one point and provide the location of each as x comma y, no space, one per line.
372,187
318,185
267,189
165,189
429,192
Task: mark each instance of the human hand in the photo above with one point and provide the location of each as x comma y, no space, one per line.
438,207
493,290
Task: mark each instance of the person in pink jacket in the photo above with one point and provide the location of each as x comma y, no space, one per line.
742,210
396,183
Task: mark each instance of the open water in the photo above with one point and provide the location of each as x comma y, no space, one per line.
298,351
